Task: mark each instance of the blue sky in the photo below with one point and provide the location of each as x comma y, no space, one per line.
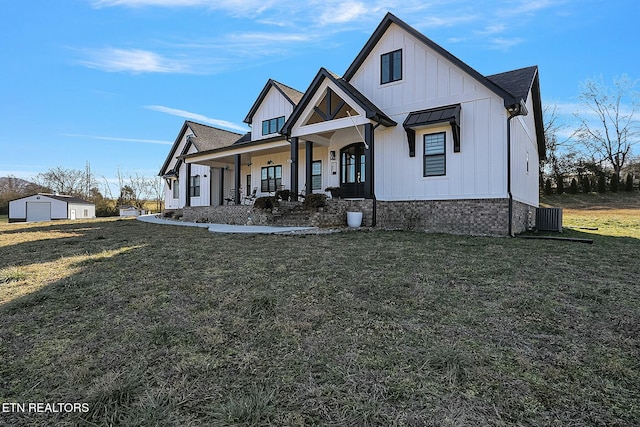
112,81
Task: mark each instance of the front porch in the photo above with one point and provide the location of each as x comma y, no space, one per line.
290,214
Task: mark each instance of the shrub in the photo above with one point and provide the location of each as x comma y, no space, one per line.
628,185
586,184
313,201
560,185
614,183
547,187
573,189
602,184
265,203
283,195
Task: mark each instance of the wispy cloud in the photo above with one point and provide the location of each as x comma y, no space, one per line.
502,43
236,7
197,117
133,61
343,12
114,138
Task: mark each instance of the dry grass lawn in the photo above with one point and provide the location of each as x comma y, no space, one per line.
160,326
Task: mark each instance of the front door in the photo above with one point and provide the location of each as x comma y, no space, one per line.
352,177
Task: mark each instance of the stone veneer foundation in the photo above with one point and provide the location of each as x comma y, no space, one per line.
472,216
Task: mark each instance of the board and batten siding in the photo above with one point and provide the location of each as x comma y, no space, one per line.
524,158
429,81
274,105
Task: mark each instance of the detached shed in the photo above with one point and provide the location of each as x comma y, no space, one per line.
130,211
48,207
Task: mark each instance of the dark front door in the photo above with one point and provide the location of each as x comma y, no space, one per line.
352,177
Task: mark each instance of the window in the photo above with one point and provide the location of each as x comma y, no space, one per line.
176,189
272,125
86,213
271,179
194,187
316,175
434,154
391,67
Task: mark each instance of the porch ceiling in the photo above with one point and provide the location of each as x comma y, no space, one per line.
227,157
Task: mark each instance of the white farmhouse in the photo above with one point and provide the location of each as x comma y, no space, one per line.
48,207
417,137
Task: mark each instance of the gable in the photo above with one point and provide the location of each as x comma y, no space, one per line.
272,108
343,92
196,137
331,106
393,32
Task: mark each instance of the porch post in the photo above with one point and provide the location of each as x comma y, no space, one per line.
308,173
187,186
294,168
237,180
369,190
221,187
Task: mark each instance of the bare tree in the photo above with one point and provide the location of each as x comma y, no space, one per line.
561,156
615,130
62,181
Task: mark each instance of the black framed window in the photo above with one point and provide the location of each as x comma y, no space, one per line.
176,189
316,175
391,66
435,161
272,125
270,179
194,186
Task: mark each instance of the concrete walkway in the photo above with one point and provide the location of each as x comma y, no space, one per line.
224,228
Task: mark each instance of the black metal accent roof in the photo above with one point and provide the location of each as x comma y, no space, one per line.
433,115
448,114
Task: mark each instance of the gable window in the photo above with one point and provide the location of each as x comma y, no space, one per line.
434,154
176,189
272,125
270,179
316,175
391,67
194,187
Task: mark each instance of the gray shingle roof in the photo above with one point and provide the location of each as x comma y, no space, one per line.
292,95
206,138
516,82
209,138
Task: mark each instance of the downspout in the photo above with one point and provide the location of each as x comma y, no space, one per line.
374,210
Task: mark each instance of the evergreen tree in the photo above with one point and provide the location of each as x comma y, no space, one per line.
560,185
614,183
574,187
602,184
547,187
628,185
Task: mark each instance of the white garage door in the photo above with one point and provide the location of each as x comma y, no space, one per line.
38,211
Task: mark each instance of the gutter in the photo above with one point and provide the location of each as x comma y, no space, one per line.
518,109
